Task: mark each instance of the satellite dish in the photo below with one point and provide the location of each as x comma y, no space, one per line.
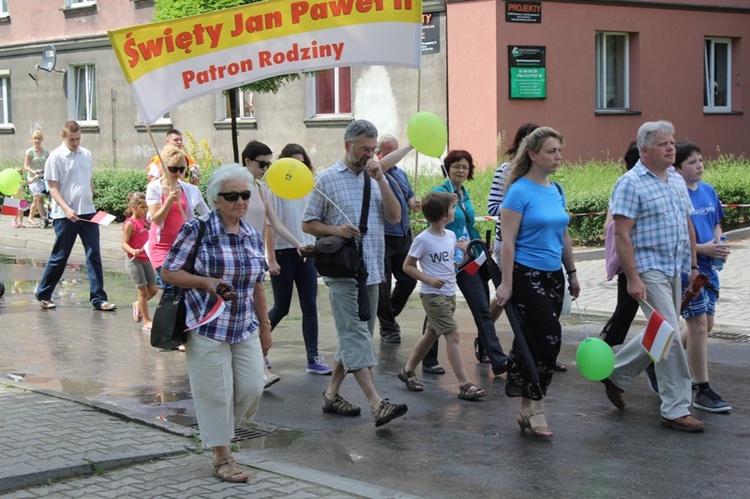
49,59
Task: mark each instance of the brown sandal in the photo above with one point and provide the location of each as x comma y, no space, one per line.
470,391
410,379
532,424
228,471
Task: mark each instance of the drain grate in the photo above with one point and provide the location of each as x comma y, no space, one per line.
242,434
726,335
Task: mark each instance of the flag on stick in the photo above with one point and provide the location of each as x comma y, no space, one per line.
103,218
11,206
474,265
212,314
657,337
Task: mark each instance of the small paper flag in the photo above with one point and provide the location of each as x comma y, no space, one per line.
474,265
11,206
103,218
212,314
657,337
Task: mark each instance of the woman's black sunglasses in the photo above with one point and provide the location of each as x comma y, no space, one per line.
233,196
175,169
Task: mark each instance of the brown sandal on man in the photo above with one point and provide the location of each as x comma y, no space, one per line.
227,471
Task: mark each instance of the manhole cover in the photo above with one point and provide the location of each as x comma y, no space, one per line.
727,336
241,434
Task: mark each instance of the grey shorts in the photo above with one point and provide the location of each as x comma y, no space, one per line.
439,310
141,272
355,349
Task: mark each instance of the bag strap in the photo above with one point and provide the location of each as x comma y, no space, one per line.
365,206
198,240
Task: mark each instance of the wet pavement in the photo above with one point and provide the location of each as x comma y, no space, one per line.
127,403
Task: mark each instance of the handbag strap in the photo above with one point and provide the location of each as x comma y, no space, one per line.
365,206
198,240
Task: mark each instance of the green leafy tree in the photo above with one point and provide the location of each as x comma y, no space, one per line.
165,10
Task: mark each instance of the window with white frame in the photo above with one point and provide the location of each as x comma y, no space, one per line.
82,105
330,92
5,115
717,75
612,71
3,8
165,119
245,105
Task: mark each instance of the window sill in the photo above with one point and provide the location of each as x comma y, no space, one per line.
722,113
616,112
9,129
87,8
329,121
90,127
242,124
4,18
156,127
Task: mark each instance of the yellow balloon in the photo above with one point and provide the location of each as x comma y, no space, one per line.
10,181
289,178
427,133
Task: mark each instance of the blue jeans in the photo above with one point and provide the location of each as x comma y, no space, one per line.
65,237
295,270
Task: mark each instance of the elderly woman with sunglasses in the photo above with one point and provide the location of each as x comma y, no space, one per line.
166,213
224,355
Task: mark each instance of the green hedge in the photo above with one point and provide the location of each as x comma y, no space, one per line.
587,189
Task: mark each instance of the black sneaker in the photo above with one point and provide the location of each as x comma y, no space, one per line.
387,412
710,401
652,382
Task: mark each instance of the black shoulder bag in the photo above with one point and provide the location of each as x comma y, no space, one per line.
168,330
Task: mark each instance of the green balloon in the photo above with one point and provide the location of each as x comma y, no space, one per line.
595,359
427,133
10,181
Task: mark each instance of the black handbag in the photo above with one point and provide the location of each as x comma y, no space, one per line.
339,257
168,329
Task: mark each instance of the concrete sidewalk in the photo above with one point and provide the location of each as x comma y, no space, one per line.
49,442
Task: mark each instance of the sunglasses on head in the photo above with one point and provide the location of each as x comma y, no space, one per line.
234,196
263,164
175,169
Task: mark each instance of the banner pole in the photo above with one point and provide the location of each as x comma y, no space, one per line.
164,170
419,98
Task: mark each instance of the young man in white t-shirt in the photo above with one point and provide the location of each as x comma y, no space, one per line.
433,249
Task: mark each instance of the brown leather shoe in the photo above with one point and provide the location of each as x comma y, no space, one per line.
615,394
686,423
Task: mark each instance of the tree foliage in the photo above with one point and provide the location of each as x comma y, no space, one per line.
165,10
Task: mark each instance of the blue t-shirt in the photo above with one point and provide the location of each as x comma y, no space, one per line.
707,213
539,242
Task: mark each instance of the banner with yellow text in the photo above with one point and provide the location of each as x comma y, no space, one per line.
172,62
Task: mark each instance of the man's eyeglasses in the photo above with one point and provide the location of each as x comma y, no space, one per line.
175,169
263,164
234,196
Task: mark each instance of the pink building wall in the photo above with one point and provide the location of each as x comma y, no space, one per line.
53,23
666,76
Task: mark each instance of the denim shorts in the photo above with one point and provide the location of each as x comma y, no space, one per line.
704,303
140,271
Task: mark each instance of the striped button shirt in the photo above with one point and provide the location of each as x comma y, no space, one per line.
660,210
235,258
338,189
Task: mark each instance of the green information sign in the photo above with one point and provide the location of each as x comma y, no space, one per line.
528,72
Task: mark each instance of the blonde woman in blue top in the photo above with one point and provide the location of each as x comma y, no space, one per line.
535,247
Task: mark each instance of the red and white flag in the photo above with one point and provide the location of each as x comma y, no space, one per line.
11,206
474,265
657,337
103,218
212,314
